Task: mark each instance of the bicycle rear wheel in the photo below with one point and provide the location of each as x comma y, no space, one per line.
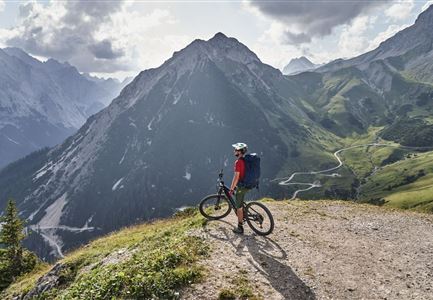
259,218
214,207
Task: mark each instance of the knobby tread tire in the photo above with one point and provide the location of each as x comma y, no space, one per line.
268,215
211,199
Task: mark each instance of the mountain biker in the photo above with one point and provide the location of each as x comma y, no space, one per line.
239,151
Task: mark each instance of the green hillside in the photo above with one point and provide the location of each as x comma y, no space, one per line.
141,262
406,183
388,173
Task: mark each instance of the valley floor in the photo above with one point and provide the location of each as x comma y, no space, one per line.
321,250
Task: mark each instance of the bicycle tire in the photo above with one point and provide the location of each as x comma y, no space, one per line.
215,203
255,219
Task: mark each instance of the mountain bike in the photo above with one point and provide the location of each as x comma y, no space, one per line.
218,206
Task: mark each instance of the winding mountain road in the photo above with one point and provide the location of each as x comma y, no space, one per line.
316,184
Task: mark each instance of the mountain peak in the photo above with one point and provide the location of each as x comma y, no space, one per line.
22,55
219,35
221,40
217,48
298,65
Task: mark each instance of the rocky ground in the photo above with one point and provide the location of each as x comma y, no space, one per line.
321,250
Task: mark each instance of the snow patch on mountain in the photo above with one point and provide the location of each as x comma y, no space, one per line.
211,119
11,140
187,175
116,185
89,220
123,157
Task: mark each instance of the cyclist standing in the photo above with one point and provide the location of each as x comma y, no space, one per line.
239,150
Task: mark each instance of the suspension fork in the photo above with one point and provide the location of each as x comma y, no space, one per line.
221,193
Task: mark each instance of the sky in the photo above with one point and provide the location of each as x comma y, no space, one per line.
122,38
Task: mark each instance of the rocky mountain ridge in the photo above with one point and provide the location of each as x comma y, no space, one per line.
408,52
42,103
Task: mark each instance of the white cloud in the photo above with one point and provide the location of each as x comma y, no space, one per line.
270,50
400,10
134,32
274,55
303,22
274,34
66,31
353,38
384,35
2,5
5,34
97,37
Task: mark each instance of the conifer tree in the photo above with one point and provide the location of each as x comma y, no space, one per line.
14,260
11,235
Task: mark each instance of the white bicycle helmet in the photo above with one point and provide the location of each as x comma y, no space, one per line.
240,146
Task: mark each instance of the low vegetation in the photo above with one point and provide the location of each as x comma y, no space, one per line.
413,132
406,183
141,262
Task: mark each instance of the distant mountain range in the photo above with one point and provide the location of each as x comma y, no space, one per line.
408,53
298,65
42,103
159,144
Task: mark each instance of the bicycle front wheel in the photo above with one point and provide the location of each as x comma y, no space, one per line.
259,218
214,207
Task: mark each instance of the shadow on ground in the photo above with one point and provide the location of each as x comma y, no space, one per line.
268,258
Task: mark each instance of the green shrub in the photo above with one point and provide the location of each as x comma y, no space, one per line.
226,294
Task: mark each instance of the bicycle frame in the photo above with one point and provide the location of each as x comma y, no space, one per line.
222,188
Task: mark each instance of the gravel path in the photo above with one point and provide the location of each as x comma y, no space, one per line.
322,250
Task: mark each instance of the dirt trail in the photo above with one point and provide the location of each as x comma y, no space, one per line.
323,250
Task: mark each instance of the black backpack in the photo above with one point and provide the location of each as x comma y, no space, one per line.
252,171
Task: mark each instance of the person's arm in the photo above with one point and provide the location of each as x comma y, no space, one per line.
234,182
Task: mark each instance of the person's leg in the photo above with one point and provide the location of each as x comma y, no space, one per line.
240,195
240,214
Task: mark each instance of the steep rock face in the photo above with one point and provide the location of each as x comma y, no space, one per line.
160,144
42,103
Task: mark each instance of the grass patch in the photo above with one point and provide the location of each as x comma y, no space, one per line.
26,282
142,262
392,185
226,294
240,289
